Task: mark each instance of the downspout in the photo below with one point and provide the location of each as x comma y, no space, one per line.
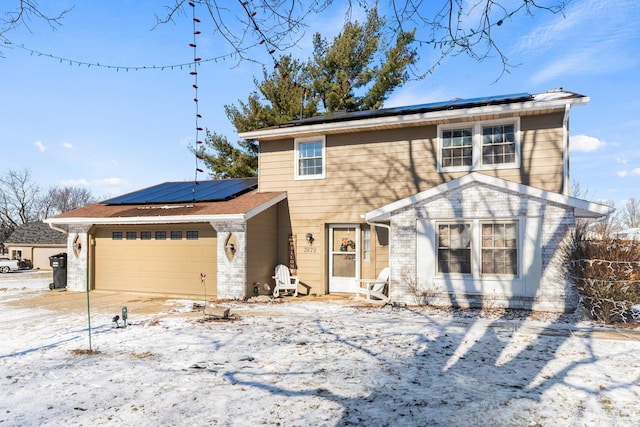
565,151
388,227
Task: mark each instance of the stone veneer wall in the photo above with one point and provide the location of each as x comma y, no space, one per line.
232,275
77,266
479,201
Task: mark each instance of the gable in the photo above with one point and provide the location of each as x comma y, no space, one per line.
524,198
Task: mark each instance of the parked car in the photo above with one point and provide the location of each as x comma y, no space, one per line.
25,264
7,265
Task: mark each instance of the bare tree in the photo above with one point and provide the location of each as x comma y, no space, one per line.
452,27
24,11
630,213
22,201
62,199
18,198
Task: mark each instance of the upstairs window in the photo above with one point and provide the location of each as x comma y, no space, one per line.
310,158
479,145
498,144
457,147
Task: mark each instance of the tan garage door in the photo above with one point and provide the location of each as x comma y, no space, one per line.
165,259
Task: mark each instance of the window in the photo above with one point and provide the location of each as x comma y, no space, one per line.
494,254
310,158
116,235
366,244
192,235
161,235
479,145
498,144
454,248
145,235
500,248
457,147
176,235
132,235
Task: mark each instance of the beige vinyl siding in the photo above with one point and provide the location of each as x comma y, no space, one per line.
261,254
155,266
366,170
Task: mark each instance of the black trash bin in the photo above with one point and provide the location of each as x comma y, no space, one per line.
59,264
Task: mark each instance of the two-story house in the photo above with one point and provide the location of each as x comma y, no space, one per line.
466,201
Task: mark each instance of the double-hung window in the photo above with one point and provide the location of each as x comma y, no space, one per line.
310,158
454,248
500,248
478,248
457,147
479,145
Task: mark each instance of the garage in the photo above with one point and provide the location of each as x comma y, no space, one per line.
155,258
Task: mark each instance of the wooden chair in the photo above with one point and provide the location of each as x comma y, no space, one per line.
374,290
285,281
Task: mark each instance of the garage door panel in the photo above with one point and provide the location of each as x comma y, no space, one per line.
157,266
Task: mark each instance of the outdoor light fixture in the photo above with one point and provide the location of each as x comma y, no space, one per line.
310,238
230,247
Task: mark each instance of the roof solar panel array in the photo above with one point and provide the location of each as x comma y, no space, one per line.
187,192
412,109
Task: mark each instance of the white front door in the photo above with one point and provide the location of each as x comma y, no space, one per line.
344,257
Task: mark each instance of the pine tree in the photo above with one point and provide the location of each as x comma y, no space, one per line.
356,71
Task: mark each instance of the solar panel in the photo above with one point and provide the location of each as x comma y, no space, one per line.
187,192
411,109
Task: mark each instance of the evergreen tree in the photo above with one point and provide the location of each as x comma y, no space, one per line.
356,71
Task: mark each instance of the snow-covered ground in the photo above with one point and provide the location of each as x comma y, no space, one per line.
308,363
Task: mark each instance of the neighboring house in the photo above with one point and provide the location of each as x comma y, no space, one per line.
466,201
36,242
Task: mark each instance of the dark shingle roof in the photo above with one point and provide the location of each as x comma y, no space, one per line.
36,233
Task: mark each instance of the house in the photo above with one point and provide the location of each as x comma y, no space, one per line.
36,242
466,201
175,238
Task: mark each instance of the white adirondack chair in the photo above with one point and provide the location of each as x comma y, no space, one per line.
374,289
285,281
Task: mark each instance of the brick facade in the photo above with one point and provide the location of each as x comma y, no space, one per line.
540,285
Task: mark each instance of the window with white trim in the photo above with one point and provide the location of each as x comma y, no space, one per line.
454,248
497,253
310,158
479,145
500,248
366,244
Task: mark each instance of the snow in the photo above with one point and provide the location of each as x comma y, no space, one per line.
306,362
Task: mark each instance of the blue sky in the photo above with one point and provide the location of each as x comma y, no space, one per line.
114,131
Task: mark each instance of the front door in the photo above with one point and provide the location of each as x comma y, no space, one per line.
344,257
